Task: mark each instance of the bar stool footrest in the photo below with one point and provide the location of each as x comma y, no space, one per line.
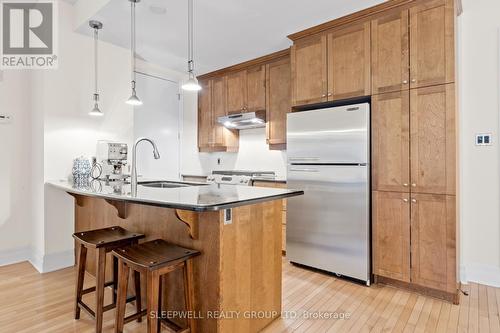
135,316
92,289
111,306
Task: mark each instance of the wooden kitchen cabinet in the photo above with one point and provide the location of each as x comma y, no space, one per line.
433,241
246,91
413,48
390,53
432,49
218,110
414,239
309,70
391,235
283,217
235,92
204,116
391,142
212,136
332,66
349,64
433,139
256,88
278,92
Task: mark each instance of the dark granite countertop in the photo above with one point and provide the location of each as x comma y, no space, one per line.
199,197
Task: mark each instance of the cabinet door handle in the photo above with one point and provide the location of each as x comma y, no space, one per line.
405,184
414,200
330,94
413,80
405,200
405,82
413,185
324,95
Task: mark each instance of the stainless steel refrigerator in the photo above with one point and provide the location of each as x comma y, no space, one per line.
329,158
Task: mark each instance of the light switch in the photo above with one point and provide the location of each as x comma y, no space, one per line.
483,139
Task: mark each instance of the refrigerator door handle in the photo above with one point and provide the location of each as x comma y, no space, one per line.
303,159
305,170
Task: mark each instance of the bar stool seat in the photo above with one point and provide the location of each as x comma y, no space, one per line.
103,241
154,259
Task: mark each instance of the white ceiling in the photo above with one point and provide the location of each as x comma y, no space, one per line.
227,32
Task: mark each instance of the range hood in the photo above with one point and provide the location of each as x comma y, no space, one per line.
244,120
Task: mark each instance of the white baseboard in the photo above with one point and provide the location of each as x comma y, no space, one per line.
15,255
42,263
53,261
483,274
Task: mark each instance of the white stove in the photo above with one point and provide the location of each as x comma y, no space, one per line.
238,177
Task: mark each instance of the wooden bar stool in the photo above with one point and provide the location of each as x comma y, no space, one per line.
103,241
154,259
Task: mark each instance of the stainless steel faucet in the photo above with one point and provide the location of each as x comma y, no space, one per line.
133,177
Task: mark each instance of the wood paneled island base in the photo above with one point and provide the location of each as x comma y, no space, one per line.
237,277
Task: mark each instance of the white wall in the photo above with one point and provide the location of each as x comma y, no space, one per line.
480,181
15,167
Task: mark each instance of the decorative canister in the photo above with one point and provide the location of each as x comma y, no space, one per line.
81,168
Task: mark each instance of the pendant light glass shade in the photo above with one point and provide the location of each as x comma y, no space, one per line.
192,83
133,100
96,111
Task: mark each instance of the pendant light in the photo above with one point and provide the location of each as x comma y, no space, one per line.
96,25
192,83
133,100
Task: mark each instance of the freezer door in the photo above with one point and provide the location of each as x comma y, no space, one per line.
328,226
333,135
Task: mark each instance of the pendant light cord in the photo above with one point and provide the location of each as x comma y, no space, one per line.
96,64
132,33
190,37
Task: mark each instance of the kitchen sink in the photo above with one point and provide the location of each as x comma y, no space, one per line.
165,184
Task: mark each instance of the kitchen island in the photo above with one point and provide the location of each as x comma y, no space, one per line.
236,228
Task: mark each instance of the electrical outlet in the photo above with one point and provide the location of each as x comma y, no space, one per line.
5,119
484,139
228,216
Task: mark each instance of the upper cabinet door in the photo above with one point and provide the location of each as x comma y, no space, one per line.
432,133
391,142
236,92
309,70
390,57
433,241
204,115
391,235
278,101
218,109
256,88
432,50
349,65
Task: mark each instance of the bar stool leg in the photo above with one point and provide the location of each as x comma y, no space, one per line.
138,301
153,294
82,258
122,296
115,278
100,281
189,294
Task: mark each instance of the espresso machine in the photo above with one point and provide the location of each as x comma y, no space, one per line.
112,157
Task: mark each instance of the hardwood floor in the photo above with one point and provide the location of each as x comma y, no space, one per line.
32,302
